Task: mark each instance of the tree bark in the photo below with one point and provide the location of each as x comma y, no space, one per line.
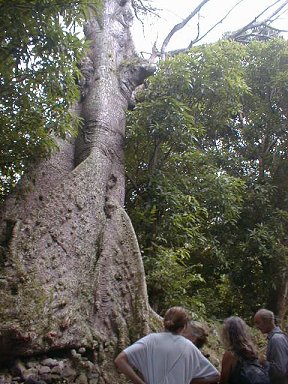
71,274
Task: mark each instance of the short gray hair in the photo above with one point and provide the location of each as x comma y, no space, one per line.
266,315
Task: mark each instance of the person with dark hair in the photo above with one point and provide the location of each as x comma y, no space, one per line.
167,357
240,359
196,333
277,346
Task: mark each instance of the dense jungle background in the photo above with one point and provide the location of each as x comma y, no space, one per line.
191,146
206,167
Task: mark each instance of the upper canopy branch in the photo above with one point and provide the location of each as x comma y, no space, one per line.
249,29
179,26
255,24
213,27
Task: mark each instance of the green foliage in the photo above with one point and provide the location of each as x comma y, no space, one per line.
207,177
172,281
38,57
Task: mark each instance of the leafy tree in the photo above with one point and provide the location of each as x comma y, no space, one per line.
177,198
262,138
38,68
72,279
214,189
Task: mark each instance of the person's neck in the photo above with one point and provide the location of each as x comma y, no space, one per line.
272,328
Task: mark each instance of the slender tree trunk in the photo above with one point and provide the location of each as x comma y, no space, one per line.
71,272
282,304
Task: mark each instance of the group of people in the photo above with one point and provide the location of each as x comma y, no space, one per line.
174,357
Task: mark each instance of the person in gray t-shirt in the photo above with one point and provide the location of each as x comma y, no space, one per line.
277,346
167,357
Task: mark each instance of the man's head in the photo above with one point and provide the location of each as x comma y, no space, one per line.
264,320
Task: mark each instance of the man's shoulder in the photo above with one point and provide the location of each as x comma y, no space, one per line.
276,332
157,337
144,340
276,336
150,336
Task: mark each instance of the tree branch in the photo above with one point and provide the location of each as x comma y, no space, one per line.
237,35
140,8
214,26
179,26
197,39
255,24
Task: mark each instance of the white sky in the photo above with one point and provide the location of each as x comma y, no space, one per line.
174,11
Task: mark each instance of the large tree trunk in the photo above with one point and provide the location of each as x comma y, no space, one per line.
71,272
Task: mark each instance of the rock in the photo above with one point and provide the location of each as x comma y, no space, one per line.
68,372
57,370
93,372
47,377
81,379
18,368
75,355
44,369
93,381
34,380
88,365
50,362
93,377
31,364
5,379
30,374
16,379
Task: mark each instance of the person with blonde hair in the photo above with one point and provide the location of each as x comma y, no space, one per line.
167,357
240,364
